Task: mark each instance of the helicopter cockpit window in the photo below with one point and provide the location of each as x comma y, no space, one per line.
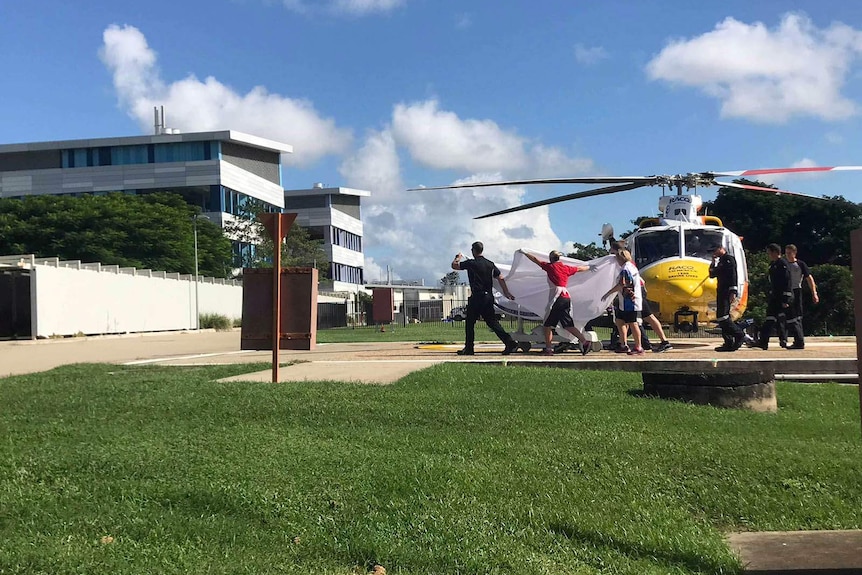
653,246
701,243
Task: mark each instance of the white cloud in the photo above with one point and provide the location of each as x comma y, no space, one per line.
420,231
195,105
590,56
767,75
344,7
439,139
375,167
375,273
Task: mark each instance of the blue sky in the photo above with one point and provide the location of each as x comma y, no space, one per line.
385,95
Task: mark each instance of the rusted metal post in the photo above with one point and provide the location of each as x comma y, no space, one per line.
276,296
856,264
277,225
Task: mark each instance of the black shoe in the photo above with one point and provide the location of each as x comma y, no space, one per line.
586,348
725,347
563,346
663,347
759,345
465,351
510,347
782,343
796,346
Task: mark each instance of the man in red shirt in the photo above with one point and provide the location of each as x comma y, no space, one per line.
561,302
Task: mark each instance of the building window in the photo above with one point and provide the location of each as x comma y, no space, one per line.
243,254
345,273
143,154
182,152
304,202
126,155
346,239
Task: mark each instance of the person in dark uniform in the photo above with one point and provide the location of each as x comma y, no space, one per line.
780,296
481,272
723,269
799,273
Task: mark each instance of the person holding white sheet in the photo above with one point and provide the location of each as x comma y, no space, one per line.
560,302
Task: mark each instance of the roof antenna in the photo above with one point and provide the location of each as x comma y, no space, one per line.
159,122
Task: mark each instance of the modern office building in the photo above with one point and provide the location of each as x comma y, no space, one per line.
215,171
333,215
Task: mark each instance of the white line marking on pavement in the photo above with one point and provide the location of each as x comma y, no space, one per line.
178,357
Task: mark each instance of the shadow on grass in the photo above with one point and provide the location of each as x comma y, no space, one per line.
687,561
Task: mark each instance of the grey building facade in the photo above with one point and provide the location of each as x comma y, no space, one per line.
333,215
215,171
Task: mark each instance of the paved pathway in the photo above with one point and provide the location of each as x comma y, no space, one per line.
799,552
371,362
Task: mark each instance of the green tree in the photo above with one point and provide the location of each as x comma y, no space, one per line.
153,231
587,252
834,315
820,228
298,249
758,285
450,279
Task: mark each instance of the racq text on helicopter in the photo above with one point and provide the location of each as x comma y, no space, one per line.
673,251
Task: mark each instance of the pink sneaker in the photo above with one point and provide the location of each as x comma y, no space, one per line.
636,351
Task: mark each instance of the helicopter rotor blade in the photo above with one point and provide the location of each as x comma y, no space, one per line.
575,196
810,169
584,180
762,189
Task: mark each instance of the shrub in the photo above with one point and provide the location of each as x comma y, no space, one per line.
215,321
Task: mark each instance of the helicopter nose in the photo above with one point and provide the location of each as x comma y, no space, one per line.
686,287
681,280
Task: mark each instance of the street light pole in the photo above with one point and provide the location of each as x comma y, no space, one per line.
197,278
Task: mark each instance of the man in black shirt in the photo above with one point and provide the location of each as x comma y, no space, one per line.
481,272
780,296
723,268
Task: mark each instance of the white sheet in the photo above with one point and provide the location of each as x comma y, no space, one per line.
529,284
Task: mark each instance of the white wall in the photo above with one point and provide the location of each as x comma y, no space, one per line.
67,300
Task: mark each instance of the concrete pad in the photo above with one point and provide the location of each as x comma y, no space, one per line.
799,552
373,372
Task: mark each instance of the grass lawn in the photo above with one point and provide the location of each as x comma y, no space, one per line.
456,469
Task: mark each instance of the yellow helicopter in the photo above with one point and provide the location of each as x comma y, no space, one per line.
673,251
